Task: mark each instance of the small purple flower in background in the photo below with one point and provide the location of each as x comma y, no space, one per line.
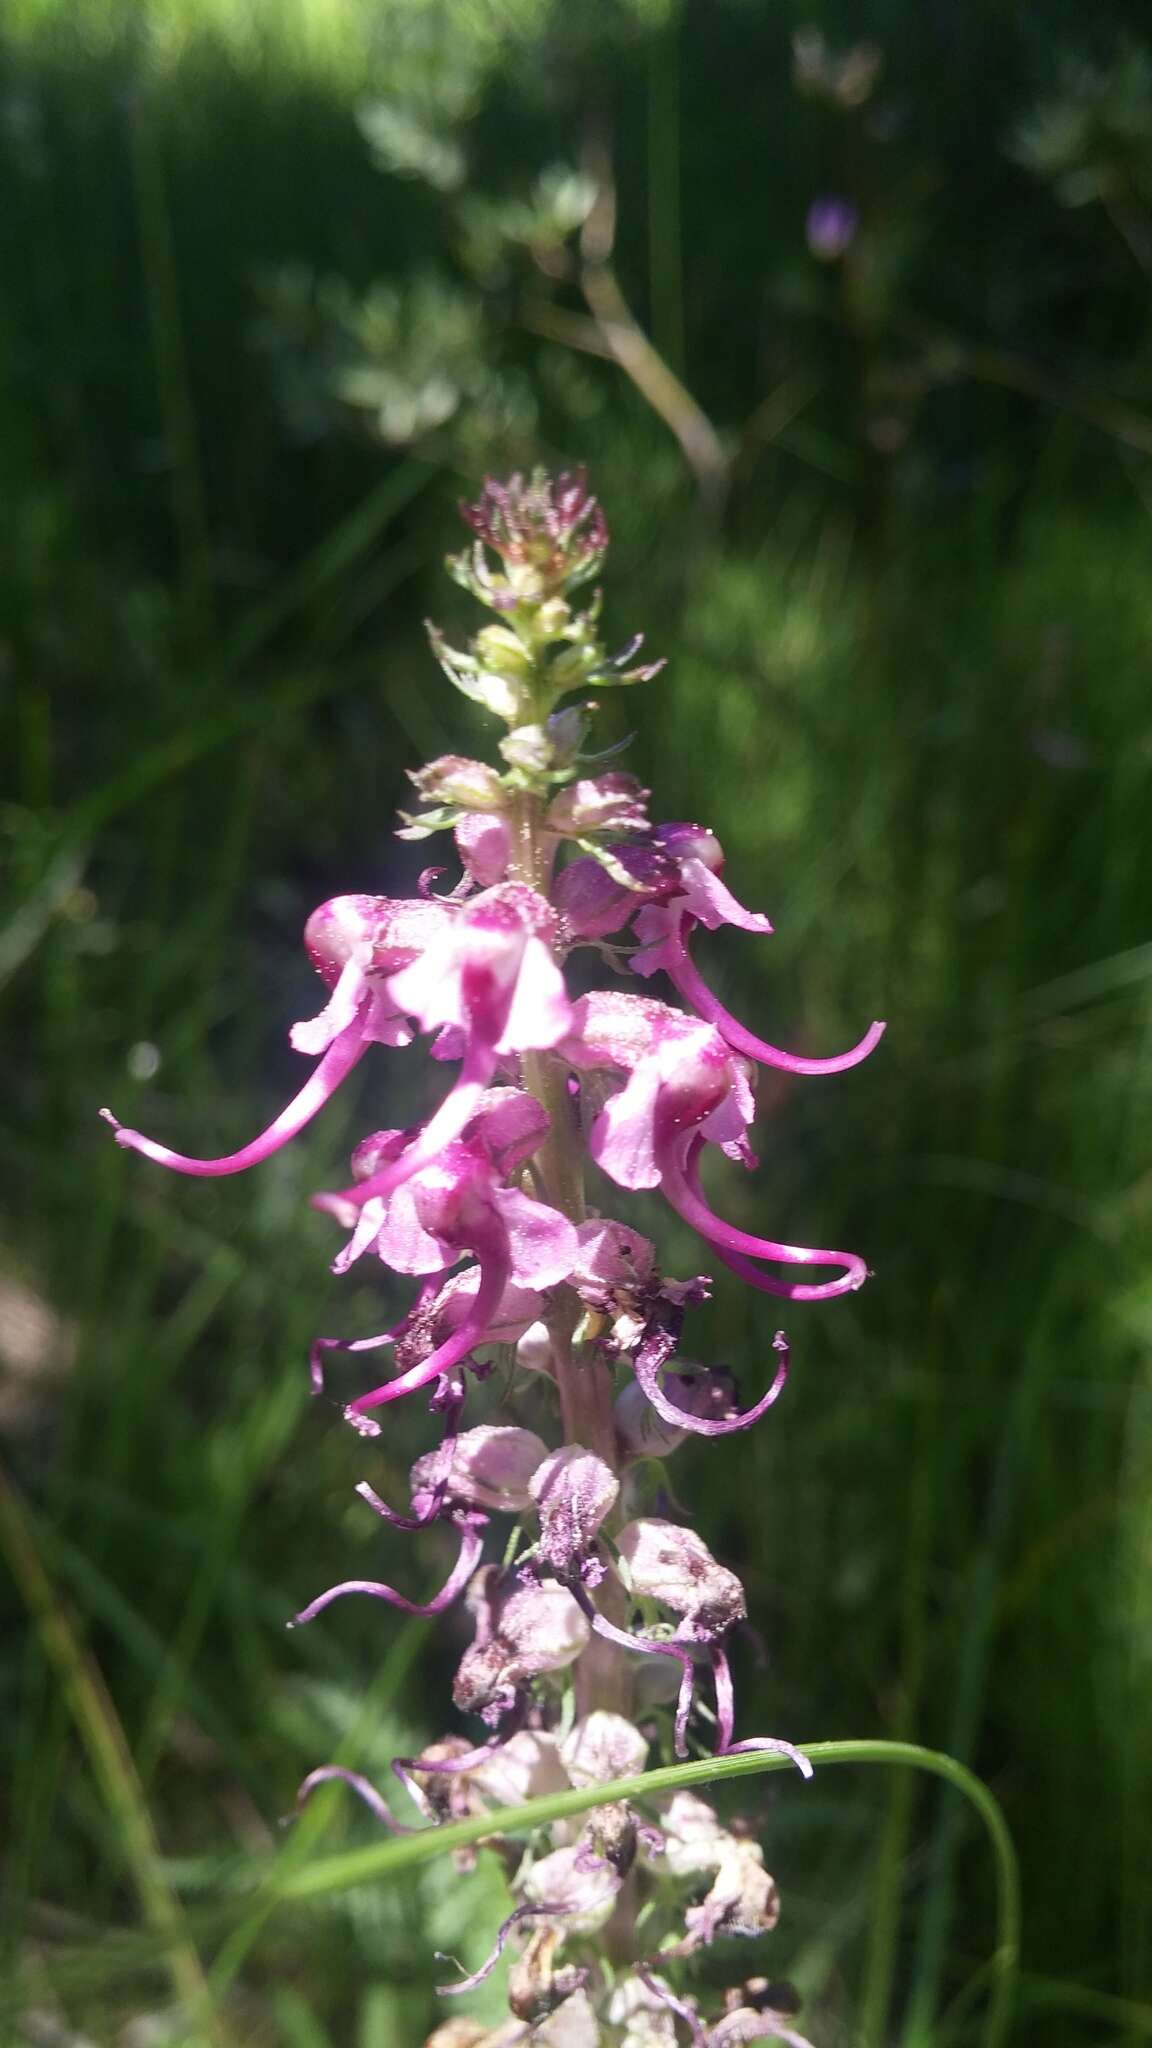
582,1601
831,226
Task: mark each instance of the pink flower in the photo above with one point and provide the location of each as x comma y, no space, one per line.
456,1203
492,973
355,943
684,1087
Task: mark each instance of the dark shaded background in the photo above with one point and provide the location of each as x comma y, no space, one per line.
279,283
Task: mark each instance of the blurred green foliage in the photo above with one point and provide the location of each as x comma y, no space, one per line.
280,280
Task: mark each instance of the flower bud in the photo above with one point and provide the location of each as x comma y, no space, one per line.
502,652
572,2025
675,1567
574,1491
640,1431
529,748
475,680
453,779
615,802
566,730
613,1260
590,900
490,1467
601,1748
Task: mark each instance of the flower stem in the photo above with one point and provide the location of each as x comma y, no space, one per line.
583,1380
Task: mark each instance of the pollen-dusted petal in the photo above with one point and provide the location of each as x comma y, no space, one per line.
574,1492
694,1836
612,1258
484,843
571,1887
511,1125
403,1243
623,1138
590,901
521,1632
675,1567
613,803
527,1766
603,1747
542,1244
711,902
491,1467
541,1012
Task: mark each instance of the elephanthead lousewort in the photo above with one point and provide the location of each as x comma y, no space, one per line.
599,1624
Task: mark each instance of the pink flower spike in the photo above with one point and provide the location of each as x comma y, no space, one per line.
335,1773
471,1545
322,1083
739,1249
686,977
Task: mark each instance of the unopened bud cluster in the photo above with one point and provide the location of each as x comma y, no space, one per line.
598,1622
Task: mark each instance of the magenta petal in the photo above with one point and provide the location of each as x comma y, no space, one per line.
739,1249
315,1034
471,1545
454,1350
374,1800
543,1245
773,1745
486,1968
712,903
648,1376
725,1699
336,1064
695,990
620,1636
622,1140
457,1109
